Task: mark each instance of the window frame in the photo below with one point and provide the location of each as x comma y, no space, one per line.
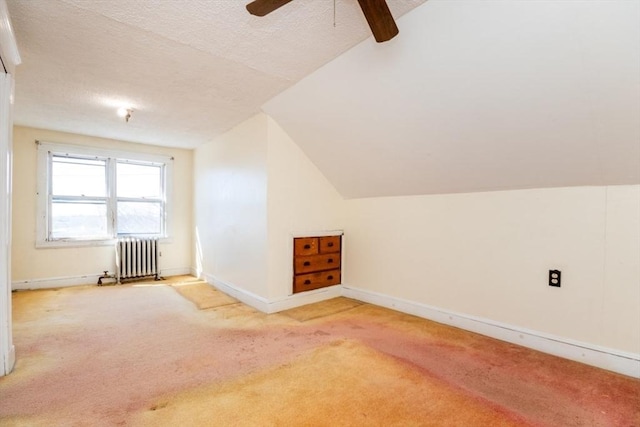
46,151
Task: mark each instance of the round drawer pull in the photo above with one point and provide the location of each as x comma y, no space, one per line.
307,263
329,277
307,246
330,244
307,282
330,261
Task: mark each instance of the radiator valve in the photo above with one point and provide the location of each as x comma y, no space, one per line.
106,275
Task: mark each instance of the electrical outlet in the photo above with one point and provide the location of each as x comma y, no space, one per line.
554,278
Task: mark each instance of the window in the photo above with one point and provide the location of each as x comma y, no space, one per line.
79,202
92,196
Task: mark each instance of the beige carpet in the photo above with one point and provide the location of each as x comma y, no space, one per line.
199,292
203,295
144,355
321,309
332,385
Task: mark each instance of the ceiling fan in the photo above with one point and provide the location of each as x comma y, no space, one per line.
376,12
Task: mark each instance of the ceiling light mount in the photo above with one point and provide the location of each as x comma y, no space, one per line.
125,113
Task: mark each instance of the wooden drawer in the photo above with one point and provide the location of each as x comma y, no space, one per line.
305,246
306,282
307,264
316,262
329,244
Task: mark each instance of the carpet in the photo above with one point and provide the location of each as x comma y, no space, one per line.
334,384
203,295
321,309
199,292
138,355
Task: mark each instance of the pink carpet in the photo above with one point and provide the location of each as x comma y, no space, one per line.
146,355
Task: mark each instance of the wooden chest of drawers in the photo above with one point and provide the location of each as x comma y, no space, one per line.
316,262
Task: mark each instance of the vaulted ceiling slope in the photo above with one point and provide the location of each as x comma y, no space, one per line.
478,96
191,70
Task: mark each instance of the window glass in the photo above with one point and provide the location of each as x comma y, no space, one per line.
78,220
139,181
139,218
78,177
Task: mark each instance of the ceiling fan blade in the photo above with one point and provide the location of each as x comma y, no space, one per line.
264,7
380,20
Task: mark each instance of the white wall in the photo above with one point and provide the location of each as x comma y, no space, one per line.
300,201
230,195
488,255
44,267
255,189
620,302
484,255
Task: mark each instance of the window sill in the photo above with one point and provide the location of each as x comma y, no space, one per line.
85,243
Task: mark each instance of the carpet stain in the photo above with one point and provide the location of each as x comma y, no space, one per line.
333,384
321,309
160,405
544,389
144,355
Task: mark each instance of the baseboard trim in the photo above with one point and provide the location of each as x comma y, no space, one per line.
89,279
273,306
11,360
601,357
179,271
249,298
304,298
55,282
8,363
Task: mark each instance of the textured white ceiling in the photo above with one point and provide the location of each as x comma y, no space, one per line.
190,69
471,96
478,96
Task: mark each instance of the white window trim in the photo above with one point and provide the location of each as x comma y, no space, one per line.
42,206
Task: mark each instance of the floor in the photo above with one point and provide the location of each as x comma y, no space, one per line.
178,352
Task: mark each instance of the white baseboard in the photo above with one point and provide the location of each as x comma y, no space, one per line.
9,362
249,298
273,306
601,357
89,279
11,359
304,298
179,271
55,282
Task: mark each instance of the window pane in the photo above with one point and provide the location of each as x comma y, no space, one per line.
78,220
139,181
139,218
78,177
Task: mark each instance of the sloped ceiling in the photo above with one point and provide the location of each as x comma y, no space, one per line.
478,96
191,69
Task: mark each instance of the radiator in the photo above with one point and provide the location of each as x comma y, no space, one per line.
136,258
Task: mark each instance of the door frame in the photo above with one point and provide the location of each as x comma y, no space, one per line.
9,58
